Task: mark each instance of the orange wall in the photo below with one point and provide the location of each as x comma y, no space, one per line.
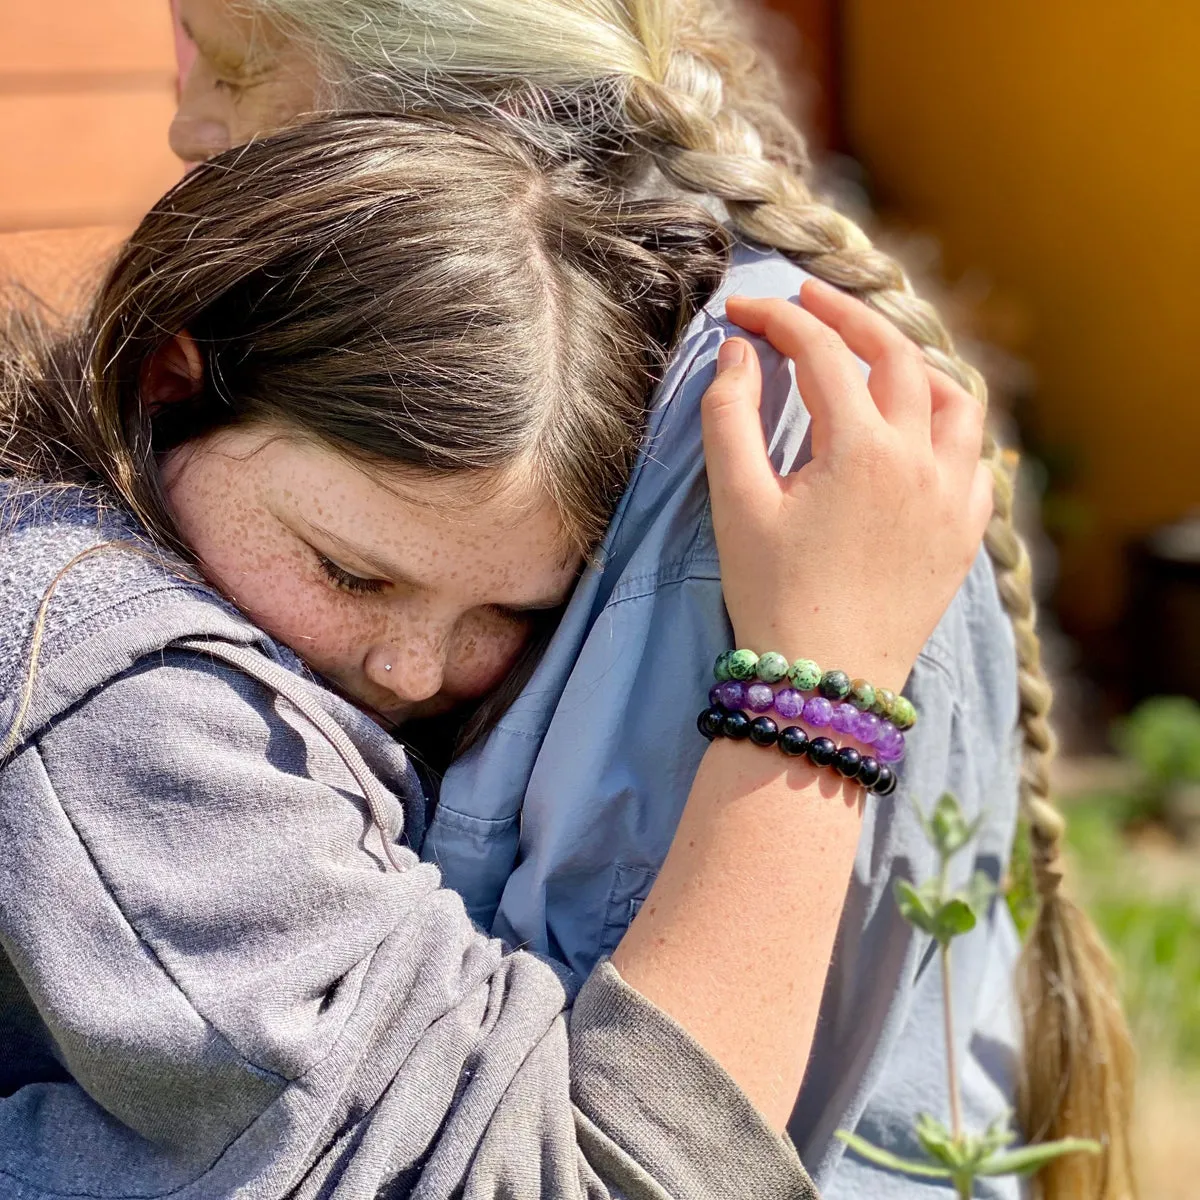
86,95
1057,147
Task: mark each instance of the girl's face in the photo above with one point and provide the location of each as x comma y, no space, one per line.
410,595
238,77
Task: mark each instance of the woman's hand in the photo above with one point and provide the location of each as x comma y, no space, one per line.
853,559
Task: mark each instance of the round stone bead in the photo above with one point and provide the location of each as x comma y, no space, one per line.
772,667
742,664
804,674
862,695
847,760
732,694
793,741
904,716
821,751
889,745
885,785
789,703
868,771
735,725
764,731
817,711
714,694
884,699
843,718
866,727
709,722
759,697
721,666
834,685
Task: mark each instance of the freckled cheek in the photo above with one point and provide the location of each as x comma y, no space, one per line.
276,589
483,652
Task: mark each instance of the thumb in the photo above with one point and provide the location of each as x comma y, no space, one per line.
740,475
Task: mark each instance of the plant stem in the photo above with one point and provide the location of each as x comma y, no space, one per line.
951,1059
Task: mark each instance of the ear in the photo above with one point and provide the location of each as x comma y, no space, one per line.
174,372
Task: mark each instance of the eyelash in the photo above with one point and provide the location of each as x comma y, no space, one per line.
358,586
343,579
512,615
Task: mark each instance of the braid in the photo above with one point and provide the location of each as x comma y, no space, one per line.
1077,1057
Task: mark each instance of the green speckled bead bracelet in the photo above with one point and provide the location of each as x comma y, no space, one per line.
805,675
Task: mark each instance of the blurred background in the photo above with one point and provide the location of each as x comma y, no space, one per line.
1037,167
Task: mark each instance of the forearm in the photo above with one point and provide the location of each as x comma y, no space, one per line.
735,937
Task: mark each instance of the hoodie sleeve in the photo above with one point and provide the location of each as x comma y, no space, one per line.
217,986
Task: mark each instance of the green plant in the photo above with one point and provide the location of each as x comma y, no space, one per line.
1150,919
954,1153
1162,736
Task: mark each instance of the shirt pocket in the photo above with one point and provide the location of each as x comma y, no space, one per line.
475,855
631,885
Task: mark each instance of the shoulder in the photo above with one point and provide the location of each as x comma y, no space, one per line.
753,271
84,595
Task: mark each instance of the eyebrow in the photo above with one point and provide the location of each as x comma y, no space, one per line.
391,575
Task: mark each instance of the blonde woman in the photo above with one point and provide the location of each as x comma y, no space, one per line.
660,96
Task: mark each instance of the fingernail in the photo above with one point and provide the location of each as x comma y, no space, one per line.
814,285
731,354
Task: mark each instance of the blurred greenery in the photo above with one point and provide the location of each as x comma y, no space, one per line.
1150,920
1162,736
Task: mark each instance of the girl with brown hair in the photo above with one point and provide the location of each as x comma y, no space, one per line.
352,404
655,96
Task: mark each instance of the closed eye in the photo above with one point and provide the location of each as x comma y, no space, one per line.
346,580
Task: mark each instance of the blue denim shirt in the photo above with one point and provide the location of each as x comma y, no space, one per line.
554,827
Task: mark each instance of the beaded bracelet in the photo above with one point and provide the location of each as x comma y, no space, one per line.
882,735
792,741
742,666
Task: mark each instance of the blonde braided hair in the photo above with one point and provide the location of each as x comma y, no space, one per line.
620,83
1077,1056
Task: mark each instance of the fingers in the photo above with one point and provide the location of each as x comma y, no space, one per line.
898,381
981,502
827,375
956,422
735,452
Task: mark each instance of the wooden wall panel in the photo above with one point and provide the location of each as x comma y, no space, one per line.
85,37
86,96
83,159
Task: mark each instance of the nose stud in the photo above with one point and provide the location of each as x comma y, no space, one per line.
387,666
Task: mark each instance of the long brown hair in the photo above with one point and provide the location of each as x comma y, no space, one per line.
417,291
634,87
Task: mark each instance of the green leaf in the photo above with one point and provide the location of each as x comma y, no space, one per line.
893,1162
947,828
1022,894
999,1134
913,907
937,1141
952,919
1028,1159
979,893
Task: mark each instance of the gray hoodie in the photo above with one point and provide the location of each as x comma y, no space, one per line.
224,973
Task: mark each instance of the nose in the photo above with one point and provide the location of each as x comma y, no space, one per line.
197,139
412,672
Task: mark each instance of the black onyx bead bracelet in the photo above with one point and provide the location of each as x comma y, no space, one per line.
792,741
